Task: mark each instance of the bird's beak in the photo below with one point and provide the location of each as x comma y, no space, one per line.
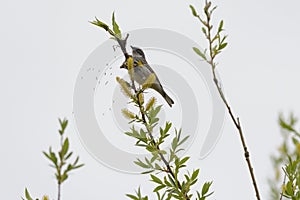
133,48
123,66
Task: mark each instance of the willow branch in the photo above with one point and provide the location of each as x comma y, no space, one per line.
117,37
146,124
211,61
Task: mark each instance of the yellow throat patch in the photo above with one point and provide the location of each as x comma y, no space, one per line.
140,63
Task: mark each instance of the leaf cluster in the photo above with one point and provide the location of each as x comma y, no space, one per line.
291,189
287,160
115,31
164,166
60,160
217,41
28,197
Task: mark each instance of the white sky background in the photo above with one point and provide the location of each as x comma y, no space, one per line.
44,43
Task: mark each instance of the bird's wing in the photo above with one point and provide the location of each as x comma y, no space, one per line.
152,71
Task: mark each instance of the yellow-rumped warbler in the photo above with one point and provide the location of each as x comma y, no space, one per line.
142,71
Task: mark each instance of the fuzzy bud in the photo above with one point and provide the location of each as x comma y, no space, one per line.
128,114
130,67
141,98
125,87
150,103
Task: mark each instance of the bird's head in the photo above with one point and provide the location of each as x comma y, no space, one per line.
137,52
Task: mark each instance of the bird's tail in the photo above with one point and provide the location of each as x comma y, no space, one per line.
168,99
160,90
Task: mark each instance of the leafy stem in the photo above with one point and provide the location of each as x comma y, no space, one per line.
149,127
115,33
216,43
171,163
59,160
169,170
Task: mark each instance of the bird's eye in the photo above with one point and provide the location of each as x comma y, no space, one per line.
140,52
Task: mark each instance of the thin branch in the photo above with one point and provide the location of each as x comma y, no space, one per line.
121,42
237,124
235,120
58,191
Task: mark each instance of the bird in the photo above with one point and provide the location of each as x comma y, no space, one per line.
142,71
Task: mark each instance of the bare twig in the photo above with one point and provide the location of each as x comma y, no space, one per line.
237,124
121,42
58,191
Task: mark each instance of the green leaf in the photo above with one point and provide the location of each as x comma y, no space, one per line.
116,28
194,12
65,148
171,179
195,175
78,166
53,157
76,161
50,154
167,127
69,168
129,134
64,177
154,120
183,140
174,143
47,155
183,160
97,22
143,134
187,178
156,166
141,164
154,111
222,46
197,51
151,149
159,188
156,179
220,26
223,39
63,124
295,141
148,172
148,162
69,155
289,188
167,182
132,197
27,195
204,31
205,188
162,152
